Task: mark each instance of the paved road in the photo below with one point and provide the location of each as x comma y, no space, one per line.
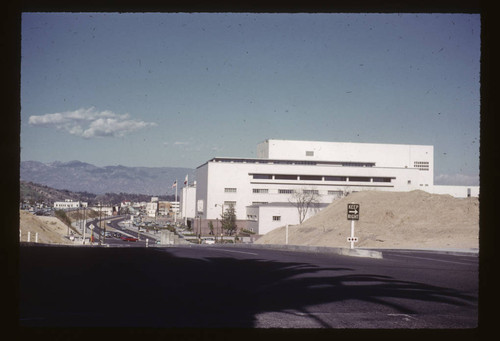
116,241
216,286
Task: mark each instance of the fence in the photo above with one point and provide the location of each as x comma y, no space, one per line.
28,237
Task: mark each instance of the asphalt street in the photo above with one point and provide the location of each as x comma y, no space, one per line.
218,287
123,231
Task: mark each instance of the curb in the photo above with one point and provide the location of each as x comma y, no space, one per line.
316,249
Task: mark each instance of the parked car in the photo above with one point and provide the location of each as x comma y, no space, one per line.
128,239
209,241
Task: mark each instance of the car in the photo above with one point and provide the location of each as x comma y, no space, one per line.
209,241
117,235
128,239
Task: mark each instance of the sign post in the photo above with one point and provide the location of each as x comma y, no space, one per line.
352,215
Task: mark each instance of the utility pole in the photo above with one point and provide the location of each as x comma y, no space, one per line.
84,223
100,224
104,235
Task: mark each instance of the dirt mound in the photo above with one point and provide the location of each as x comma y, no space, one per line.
50,229
414,219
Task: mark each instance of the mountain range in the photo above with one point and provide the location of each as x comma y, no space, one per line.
79,176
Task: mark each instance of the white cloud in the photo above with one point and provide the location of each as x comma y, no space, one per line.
456,179
90,123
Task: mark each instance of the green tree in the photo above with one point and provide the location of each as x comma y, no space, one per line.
229,220
211,227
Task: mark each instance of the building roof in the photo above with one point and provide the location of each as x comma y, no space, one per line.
289,162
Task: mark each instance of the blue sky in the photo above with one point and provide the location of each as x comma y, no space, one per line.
176,89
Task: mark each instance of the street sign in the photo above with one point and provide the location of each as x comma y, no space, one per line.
352,211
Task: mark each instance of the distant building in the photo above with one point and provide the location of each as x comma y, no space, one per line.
104,210
69,204
187,202
174,208
163,208
152,209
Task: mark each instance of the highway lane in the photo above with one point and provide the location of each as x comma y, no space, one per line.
217,286
116,241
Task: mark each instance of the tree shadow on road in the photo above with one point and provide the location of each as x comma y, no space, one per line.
76,287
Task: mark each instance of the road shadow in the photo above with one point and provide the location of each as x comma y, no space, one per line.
138,287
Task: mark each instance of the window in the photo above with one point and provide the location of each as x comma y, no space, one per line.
229,203
276,218
311,177
335,178
309,153
310,191
381,179
229,190
358,164
285,177
359,178
285,191
252,217
261,190
263,176
336,193
259,202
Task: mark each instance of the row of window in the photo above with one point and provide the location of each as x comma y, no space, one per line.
320,178
296,162
281,191
422,165
254,217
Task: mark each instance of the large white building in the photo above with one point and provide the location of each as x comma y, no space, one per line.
257,187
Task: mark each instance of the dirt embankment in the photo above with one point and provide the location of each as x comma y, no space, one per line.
414,219
50,229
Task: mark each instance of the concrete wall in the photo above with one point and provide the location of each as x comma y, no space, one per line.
383,155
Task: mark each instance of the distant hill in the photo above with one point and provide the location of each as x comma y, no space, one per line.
35,193
77,176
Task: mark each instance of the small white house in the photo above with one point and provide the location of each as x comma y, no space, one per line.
263,218
104,210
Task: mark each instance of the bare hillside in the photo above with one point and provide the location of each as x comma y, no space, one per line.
414,219
50,229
